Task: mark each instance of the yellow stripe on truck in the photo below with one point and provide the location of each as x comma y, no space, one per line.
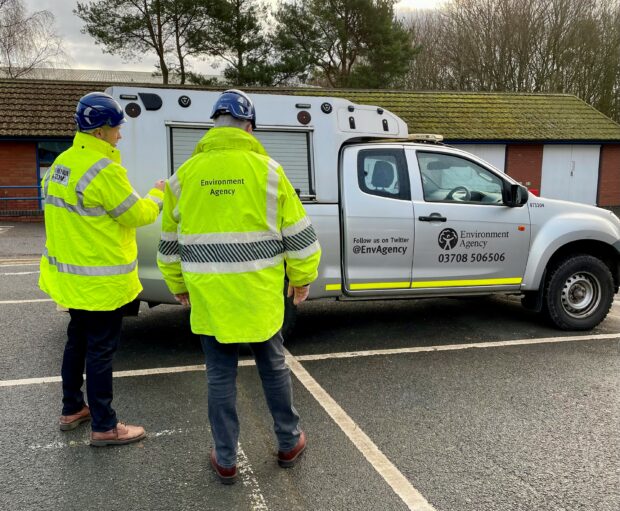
428,283
381,285
466,283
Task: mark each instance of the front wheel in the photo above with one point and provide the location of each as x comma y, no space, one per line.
578,293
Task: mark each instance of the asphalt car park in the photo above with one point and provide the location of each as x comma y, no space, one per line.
438,404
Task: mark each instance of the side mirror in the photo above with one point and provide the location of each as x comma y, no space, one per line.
515,196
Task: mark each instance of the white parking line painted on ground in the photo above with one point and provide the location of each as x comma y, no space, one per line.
451,347
119,374
379,461
20,273
20,262
326,356
248,479
8,302
79,443
246,473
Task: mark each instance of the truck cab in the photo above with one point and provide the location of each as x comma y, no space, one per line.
397,215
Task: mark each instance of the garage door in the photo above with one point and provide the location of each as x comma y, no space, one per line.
289,148
570,172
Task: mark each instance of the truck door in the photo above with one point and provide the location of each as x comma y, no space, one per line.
377,219
466,238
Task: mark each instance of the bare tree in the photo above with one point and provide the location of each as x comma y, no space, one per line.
26,40
570,46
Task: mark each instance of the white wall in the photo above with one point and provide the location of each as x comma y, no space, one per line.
495,154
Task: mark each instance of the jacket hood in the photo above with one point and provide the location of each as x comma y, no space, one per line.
229,138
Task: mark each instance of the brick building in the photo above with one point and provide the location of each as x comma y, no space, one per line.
555,144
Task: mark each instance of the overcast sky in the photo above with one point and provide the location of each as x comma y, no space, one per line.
83,53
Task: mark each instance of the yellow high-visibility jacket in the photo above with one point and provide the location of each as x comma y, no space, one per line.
91,212
231,218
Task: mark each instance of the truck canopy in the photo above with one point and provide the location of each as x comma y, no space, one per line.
303,133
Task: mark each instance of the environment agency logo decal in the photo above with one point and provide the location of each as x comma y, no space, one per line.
448,238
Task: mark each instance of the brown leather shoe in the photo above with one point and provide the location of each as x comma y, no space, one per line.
69,422
226,475
120,435
289,458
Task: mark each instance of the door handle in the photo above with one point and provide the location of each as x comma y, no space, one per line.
434,217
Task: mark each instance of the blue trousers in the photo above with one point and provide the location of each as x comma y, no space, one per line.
222,361
92,340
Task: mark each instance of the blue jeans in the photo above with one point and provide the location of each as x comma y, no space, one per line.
92,340
222,361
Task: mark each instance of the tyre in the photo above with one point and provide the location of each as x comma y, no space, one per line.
578,293
290,315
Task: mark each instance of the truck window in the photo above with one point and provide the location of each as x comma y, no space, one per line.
291,149
449,178
383,172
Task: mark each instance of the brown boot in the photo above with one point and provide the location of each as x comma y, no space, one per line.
69,422
226,475
289,458
120,435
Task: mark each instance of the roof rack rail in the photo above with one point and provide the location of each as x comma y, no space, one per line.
429,138
421,138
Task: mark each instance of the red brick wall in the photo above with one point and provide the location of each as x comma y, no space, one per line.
524,163
18,166
609,176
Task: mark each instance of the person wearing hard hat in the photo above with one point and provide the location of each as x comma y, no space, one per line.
89,264
231,221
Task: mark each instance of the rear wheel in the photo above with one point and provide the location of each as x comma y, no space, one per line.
578,293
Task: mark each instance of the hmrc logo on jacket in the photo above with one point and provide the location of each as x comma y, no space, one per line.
61,175
448,238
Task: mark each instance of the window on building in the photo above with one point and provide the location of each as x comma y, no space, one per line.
48,151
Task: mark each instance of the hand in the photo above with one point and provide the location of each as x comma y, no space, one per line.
183,299
160,184
299,293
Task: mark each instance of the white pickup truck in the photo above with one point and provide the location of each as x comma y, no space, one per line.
397,215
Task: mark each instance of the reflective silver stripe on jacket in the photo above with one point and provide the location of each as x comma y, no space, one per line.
175,185
243,267
156,200
78,208
168,249
273,179
125,205
230,252
300,240
46,179
89,175
91,271
84,181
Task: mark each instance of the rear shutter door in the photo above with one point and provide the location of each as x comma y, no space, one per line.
289,148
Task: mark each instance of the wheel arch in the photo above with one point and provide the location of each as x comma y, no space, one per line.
597,248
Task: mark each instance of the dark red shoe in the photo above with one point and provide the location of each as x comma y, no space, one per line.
226,475
289,458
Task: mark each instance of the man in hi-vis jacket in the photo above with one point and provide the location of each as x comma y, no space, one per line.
231,220
89,265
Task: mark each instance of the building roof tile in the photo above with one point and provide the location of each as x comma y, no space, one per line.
37,108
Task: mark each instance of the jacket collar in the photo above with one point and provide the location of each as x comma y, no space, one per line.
229,138
86,141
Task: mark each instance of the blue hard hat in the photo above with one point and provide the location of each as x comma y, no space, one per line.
236,103
98,109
